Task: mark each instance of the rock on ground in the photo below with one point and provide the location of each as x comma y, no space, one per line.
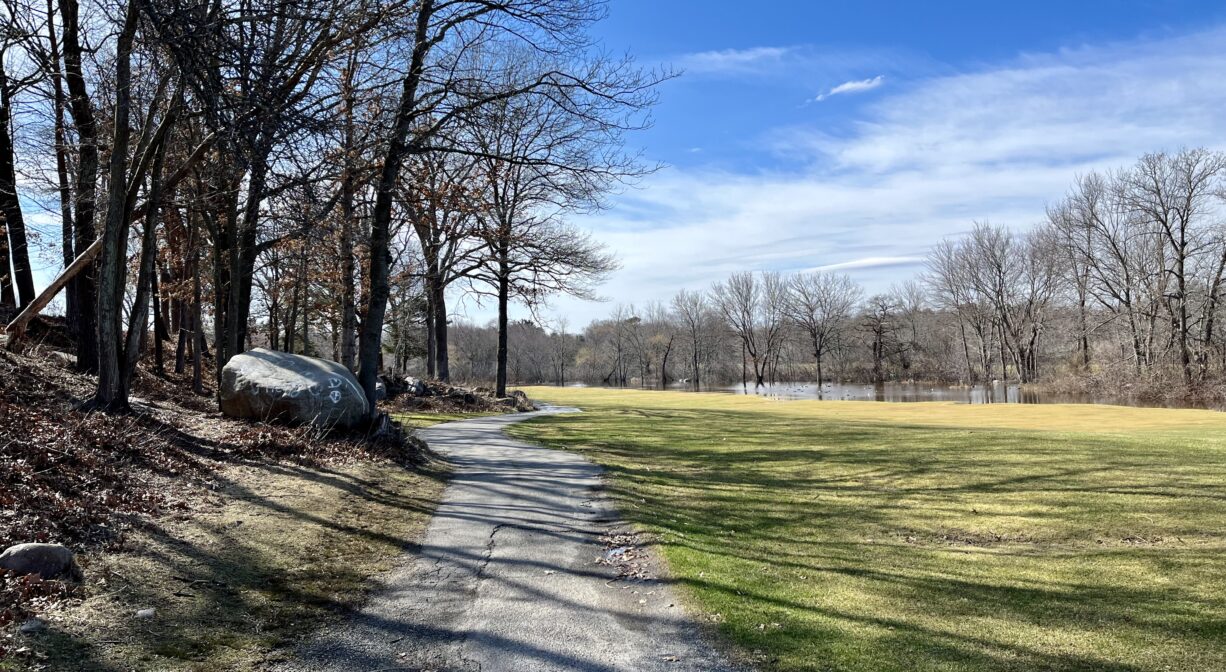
413,395
50,561
263,384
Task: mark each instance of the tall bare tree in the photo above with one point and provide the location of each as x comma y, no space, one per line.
822,305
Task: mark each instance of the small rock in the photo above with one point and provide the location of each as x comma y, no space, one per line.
616,553
146,613
415,388
50,561
32,626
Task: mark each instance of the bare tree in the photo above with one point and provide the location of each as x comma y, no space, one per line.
753,307
439,87
822,304
1174,192
698,320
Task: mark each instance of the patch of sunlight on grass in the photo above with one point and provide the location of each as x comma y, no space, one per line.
929,536
422,420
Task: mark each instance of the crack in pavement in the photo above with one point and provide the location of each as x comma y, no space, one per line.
510,578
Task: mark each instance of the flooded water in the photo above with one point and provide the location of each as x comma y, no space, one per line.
966,394
997,393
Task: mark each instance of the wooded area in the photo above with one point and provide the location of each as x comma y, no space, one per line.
276,173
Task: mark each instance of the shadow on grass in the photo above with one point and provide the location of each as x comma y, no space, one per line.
840,544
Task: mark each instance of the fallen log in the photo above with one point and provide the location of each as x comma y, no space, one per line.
17,328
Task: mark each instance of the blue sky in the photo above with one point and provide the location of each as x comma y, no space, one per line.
854,135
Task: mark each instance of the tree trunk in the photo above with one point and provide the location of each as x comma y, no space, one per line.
109,395
370,347
197,328
504,295
10,203
242,265
7,298
966,352
138,322
430,346
695,363
159,325
441,354
61,163
84,285
349,321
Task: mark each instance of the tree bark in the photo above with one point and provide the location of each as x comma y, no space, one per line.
61,162
349,322
430,348
370,348
113,268
504,285
10,202
7,298
442,356
197,327
138,322
84,285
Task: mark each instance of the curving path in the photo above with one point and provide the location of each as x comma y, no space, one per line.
507,578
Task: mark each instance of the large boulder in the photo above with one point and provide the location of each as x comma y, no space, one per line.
50,561
263,384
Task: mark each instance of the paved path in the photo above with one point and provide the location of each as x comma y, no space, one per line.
507,578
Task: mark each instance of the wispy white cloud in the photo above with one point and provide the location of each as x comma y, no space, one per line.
854,86
870,262
801,65
734,61
922,162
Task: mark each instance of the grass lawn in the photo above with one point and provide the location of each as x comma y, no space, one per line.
873,536
423,419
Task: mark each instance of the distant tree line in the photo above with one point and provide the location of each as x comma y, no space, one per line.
1118,290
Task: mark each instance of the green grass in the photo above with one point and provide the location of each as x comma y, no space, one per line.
422,419
872,536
